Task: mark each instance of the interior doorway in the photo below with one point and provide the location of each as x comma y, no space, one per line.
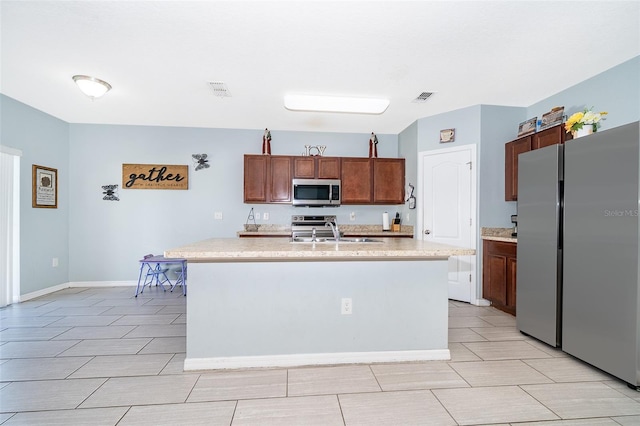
448,211
9,225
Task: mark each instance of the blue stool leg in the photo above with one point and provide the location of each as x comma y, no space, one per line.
139,278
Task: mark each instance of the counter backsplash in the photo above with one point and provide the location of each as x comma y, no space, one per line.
346,229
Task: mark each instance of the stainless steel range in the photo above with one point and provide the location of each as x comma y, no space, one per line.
303,226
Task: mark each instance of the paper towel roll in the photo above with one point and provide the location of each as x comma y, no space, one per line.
385,221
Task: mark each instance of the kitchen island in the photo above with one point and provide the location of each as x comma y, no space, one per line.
274,303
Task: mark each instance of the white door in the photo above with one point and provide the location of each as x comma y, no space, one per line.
448,211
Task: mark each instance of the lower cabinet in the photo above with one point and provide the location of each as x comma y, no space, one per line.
499,274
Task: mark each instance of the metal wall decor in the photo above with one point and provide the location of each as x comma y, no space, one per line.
110,192
373,146
200,161
313,151
411,198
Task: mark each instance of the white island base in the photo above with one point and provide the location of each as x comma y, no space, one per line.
286,312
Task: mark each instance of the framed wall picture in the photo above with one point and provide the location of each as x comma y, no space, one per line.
527,127
44,187
552,118
447,135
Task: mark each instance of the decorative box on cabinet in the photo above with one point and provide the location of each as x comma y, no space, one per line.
499,268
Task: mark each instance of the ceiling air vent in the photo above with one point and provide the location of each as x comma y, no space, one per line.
220,89
422,97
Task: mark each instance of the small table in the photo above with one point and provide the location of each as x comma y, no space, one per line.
155,269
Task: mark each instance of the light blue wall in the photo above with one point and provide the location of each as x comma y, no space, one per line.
616,91
407,148
108,237
499,125
44,233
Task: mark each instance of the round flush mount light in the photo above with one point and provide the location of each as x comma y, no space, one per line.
91,86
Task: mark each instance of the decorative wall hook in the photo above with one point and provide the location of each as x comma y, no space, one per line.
200,161
110,193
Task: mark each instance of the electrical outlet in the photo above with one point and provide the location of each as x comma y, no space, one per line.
347,306
408,217
257,216
54,262
352,216
265,216
217,215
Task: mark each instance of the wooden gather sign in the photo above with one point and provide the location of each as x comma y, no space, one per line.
155,176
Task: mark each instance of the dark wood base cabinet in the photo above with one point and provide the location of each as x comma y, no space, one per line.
499,274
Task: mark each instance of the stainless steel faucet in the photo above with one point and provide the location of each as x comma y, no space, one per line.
334,229
313,234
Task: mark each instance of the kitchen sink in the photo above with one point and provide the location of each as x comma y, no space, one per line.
334,241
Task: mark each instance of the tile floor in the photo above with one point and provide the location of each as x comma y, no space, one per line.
98,356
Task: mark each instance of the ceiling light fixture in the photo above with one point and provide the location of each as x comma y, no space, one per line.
335,104
91,86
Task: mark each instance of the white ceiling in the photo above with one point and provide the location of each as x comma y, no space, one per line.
160,55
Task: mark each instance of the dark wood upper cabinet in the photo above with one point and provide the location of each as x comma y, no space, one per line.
328,167
255,178
280,179
388,180
357,180
316,167
511,152
551,136
267,178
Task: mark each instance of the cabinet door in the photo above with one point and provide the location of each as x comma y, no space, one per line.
548,137
388,180
357,180
280,179
328,168
511,282
498,279
511,152
304,167
256,169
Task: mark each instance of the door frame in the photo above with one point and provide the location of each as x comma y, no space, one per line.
475,298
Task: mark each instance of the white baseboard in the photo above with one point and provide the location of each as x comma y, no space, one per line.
43,292
103,283
481,302
299,360
53,289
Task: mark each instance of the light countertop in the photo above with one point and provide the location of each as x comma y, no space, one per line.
498,234
282,249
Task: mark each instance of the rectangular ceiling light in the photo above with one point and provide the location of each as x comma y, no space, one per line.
335,104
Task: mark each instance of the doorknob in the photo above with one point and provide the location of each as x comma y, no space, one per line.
427,231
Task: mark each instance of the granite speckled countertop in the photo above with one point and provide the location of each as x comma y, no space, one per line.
282,249
498,234
346,230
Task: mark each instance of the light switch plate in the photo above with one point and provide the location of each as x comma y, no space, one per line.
217,215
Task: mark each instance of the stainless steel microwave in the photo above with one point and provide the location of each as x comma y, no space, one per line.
316,192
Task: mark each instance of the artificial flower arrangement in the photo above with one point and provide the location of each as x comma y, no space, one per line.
582,118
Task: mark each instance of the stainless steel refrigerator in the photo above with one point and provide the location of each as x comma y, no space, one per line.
578,239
